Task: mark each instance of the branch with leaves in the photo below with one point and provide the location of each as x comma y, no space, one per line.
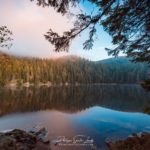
127,22
5,37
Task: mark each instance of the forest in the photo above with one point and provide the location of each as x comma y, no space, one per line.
69,70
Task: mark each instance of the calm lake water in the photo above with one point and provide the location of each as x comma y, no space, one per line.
99,111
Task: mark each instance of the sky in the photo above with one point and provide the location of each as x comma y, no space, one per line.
29,23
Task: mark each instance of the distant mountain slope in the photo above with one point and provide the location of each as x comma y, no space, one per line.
2,54
115,60
119,60
122,61
126,68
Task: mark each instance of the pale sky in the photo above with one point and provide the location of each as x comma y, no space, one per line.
29,23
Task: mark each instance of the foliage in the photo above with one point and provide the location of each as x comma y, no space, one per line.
147,110
5,37
146,84
69,70
127,22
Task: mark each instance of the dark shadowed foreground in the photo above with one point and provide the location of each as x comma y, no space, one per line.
21,140
136,142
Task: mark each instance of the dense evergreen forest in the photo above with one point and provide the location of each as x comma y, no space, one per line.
68,70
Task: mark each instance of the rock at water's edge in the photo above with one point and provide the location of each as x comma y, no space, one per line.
135,142
21,140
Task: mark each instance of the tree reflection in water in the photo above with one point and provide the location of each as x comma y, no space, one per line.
74,98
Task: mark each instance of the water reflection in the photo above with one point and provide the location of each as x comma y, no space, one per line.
72,110
97,122
74,98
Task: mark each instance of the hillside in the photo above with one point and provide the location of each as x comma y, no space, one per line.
69,70
125,61
126,68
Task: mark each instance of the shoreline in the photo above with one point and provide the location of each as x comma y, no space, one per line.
28,85
140,141
21,140
35,140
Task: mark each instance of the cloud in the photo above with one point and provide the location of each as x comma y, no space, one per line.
29,23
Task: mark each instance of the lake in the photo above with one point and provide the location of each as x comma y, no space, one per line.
101,112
